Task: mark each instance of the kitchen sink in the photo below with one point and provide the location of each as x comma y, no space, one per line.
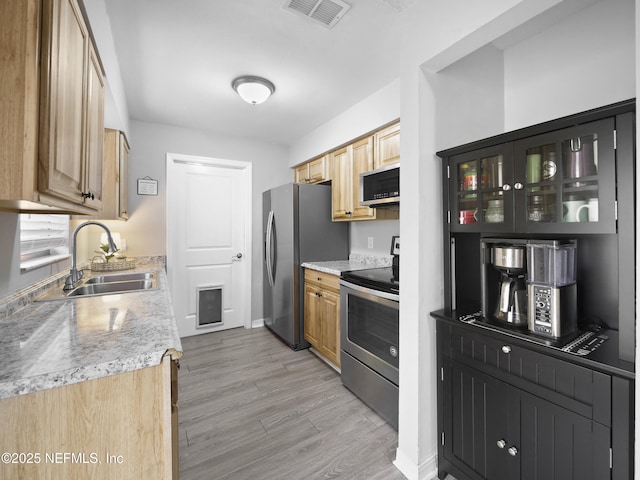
105,285
120,277
113,287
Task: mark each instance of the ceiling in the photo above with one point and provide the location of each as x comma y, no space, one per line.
178,59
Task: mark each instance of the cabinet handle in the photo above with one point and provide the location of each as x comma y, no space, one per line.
501,443
518,186
319,279
506,349
513,451
87,195
506,187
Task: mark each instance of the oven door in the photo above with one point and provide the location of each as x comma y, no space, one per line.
369,328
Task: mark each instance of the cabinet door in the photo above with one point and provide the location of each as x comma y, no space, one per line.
565,180
317,170
481,190
387,146
312,314
330,325
341,188
65,52
301,174
362,162
94,140
556,444
123,178
476,423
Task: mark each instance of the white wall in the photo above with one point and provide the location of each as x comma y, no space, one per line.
374,111
584,62
145,231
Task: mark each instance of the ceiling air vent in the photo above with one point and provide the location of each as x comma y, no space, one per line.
327,12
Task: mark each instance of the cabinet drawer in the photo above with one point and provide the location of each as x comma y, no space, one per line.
577,388
323,279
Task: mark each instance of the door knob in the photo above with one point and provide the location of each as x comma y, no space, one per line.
238,255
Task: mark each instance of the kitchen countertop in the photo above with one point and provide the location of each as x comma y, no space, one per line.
53,343
355,262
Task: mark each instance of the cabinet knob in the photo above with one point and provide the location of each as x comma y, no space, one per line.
513,451
506,349
518,186
506,187
501,443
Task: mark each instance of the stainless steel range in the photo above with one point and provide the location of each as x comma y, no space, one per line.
369,337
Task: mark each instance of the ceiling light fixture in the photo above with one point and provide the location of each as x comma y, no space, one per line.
253,90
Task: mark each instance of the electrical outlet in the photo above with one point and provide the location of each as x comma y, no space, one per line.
369,242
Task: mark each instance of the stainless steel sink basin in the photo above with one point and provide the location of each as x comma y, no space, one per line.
107,284
120,277
113,287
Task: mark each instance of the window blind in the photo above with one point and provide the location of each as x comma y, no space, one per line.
43,239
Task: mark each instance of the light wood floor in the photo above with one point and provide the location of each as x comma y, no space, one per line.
252,408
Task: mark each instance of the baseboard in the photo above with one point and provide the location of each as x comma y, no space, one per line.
257,323
325,360
427,470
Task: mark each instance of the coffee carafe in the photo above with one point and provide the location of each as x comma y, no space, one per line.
511,305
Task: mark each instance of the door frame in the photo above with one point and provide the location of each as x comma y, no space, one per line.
172,160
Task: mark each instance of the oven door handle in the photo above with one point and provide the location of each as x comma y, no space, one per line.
377,293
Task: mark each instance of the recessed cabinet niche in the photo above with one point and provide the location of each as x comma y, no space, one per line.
52,122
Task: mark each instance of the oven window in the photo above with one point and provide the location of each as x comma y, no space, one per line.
374,327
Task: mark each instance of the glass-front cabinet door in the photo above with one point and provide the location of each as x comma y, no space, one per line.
480,190
564,181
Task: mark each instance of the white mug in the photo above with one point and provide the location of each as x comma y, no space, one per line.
592,211
571,209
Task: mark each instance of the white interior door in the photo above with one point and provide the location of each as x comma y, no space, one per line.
208,235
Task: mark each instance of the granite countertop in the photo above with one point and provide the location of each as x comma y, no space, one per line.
355,262
59,342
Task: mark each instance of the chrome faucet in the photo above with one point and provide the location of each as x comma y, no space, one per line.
76,275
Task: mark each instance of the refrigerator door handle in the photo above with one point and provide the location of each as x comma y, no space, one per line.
268,254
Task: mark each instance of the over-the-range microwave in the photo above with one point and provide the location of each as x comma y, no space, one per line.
381,188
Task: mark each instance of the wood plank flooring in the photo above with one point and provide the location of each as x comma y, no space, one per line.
252,408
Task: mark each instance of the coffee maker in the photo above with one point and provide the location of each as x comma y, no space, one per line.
551,287
504,281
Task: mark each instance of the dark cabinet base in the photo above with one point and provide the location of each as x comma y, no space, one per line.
505,412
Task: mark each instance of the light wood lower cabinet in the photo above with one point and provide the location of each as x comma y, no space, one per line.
322,313
122,426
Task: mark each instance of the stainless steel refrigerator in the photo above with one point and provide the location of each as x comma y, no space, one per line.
297,228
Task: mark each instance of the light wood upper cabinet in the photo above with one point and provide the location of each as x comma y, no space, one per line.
387,146
347,164
313,171
116,176
341,183
51,128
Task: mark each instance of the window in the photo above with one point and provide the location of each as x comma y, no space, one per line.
44,239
